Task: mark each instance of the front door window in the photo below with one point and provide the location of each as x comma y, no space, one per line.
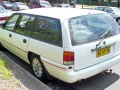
10,24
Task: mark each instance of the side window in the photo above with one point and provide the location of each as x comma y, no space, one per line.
30,25
48,30
99,8
20,26
108,10
1,10
10,24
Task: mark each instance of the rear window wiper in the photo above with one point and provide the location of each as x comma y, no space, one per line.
104,35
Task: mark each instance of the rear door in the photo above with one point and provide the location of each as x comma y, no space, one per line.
95,39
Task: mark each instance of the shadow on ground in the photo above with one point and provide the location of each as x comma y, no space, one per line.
97,82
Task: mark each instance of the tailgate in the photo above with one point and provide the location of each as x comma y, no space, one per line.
88,55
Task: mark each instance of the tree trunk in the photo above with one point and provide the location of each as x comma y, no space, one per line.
118,3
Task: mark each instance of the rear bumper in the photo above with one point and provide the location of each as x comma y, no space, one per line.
72,76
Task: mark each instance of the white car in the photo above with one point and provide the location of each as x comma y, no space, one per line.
4,14
113,11
40,4
67,46
17,6
6,4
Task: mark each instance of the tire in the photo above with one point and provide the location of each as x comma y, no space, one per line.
38,67
118,21
1,47
18,9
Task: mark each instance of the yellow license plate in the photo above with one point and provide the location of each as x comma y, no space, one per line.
103,51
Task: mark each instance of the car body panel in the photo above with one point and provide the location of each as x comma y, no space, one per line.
4,14
86,63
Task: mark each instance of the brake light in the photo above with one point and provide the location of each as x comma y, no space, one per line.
3,18
68,57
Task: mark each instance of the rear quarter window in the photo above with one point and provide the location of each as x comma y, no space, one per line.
47,30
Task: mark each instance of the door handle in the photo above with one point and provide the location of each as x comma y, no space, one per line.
24,41
10,35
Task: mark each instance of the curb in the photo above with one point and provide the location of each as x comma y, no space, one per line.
28,80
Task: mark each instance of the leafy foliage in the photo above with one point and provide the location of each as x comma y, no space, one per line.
5,72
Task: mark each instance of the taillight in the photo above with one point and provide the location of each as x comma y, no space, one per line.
3,18
68,57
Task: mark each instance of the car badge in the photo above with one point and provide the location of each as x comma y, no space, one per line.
104,43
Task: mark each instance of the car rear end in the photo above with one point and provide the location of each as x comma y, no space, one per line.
40,4
3,15
3,19
94,46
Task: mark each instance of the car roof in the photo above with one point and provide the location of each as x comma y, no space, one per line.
60,13
18,2
104,7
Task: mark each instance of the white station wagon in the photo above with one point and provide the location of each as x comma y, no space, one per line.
66,43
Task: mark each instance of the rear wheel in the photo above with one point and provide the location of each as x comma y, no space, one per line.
1,47
38,67
118,21
18,9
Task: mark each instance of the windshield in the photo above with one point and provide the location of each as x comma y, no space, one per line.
65,5
99,8
89,28
2,10
6,2
20,3
45,3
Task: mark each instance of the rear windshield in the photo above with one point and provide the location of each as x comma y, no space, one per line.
88,28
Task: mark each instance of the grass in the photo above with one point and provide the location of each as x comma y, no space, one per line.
5,72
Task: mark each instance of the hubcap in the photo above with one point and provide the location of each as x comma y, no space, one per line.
37,68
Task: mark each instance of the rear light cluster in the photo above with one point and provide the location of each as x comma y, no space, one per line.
68,58
3,18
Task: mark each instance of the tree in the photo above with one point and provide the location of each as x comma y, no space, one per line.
99,2
118,3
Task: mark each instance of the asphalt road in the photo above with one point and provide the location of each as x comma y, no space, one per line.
98,82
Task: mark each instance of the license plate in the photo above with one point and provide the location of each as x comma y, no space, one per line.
103,51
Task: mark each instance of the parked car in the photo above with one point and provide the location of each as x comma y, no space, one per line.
40,4
64,5
4,14
113,11
70,47
6,4
17,6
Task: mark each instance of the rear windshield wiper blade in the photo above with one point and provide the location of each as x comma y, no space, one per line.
104,35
